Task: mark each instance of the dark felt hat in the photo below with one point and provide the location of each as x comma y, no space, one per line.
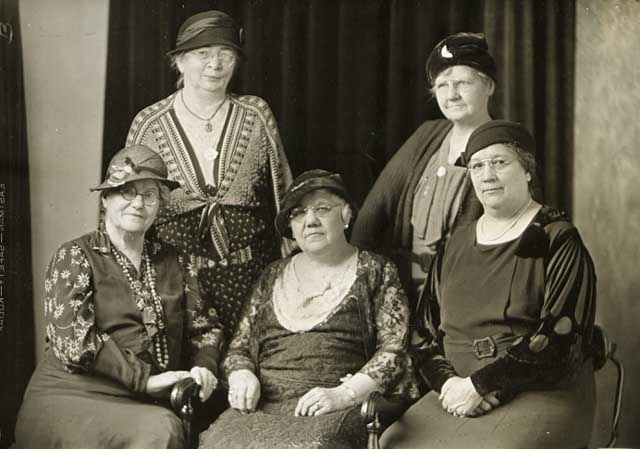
468,49
133,164
305,183
499,131
208,28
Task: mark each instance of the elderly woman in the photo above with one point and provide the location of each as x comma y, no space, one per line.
505,322
424,192
323,329
118,309
225,152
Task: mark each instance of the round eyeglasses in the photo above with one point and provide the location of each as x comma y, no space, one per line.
149,197
226,57
498,164
298,214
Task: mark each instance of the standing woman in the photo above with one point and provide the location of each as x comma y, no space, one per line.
225,152
423,192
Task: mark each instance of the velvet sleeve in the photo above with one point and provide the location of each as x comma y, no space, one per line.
426,348
202,324
391,315
71,330
556,349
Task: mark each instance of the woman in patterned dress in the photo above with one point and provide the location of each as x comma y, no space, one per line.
225,152
323,328
119,307
504,327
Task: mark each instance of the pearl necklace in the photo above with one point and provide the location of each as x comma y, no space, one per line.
208,127
517,216
152,314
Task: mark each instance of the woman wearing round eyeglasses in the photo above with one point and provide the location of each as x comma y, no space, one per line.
423,193
119,307
504,326
225,152
323,329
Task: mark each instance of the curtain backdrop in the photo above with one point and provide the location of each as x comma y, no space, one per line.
16,296
346,79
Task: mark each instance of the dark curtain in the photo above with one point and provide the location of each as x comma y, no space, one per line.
346,79
16,295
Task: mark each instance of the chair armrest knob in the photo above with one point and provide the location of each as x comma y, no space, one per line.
182,394
369,405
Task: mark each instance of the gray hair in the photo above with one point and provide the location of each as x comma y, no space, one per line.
528,162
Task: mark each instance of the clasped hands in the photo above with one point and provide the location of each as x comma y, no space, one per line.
244,394
460,398
158,384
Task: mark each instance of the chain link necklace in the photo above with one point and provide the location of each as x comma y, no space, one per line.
517,216
329,281
148,302
208,127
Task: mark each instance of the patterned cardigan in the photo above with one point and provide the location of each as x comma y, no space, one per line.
252,161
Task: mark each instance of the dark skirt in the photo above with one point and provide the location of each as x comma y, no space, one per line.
64,410
549,419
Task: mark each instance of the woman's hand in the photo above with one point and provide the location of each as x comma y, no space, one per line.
489,402
320,401
459,397
159,384
206,379
244,390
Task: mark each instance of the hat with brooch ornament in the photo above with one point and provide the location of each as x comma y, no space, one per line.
135,163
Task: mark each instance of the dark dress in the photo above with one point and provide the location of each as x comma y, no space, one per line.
289,364
226,231
89,391
516,317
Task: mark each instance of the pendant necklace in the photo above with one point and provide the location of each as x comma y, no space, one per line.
208,127
510,226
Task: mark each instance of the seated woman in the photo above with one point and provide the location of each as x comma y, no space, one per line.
323,329
505,323
118,309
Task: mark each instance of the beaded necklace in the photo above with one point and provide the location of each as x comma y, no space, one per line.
149,304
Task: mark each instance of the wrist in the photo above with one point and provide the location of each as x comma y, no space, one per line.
350,396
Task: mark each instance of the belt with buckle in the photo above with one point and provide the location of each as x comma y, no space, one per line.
238,257
483,348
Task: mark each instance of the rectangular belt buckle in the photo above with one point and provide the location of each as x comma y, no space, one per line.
484,348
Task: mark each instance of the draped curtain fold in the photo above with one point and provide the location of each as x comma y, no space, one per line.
17,356
346,79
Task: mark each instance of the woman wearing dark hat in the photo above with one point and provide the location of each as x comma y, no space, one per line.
225,152
118,308
423,192
505,321
323,329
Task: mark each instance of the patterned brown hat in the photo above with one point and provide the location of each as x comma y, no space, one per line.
133,164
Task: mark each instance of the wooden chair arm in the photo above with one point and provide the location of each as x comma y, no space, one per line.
603,349
379,412
183,393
